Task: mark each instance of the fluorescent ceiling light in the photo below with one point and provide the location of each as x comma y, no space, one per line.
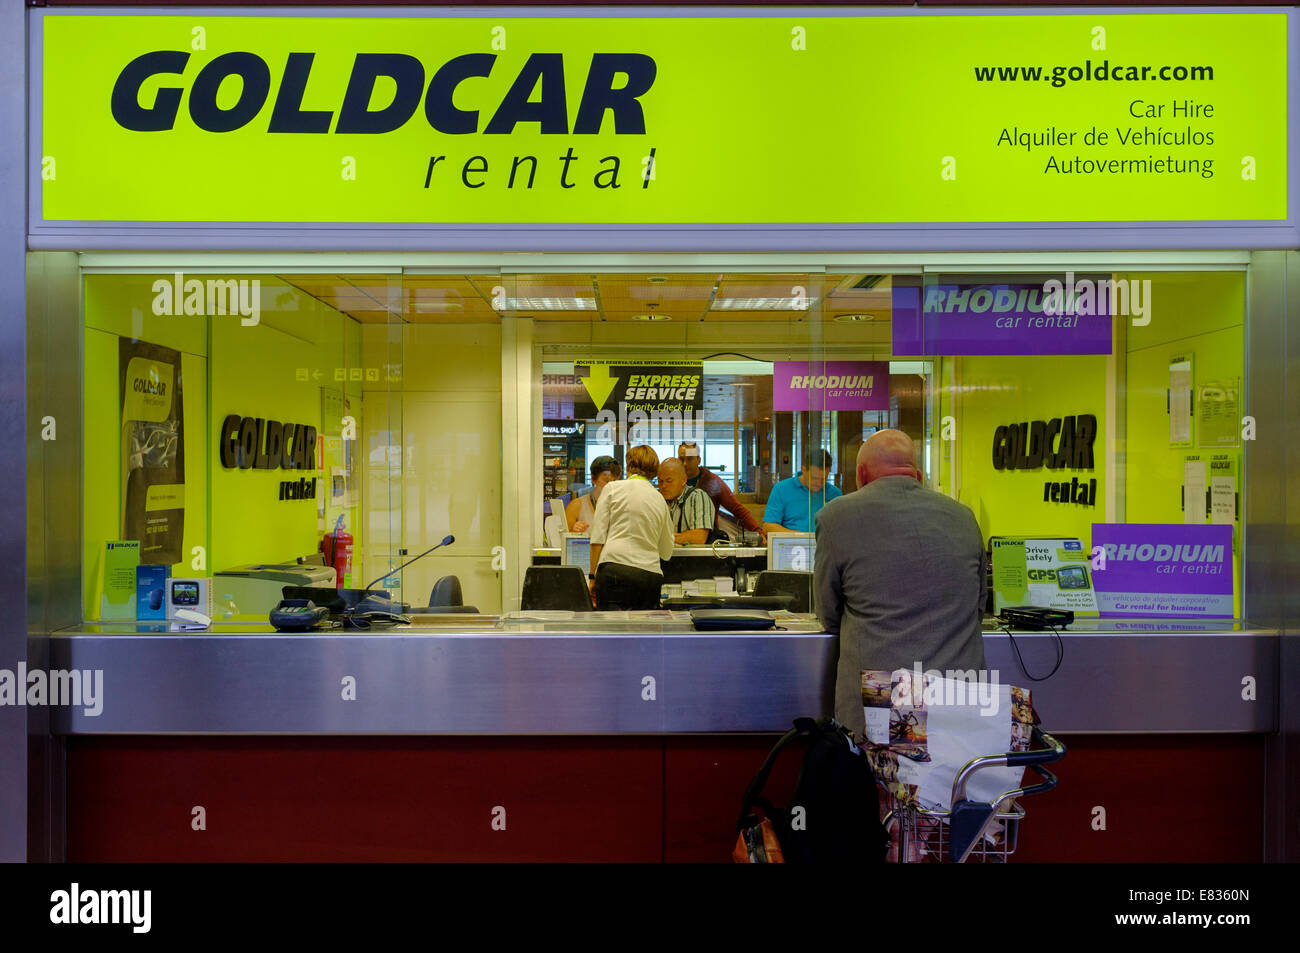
764,304
550,304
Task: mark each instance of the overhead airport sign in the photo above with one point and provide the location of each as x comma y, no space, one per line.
955,317
830,385
200,117
625,388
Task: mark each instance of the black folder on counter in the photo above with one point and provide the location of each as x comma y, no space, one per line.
732,620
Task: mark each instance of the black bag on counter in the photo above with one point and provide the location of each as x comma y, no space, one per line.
833,816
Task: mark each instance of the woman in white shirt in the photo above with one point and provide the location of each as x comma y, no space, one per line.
630,533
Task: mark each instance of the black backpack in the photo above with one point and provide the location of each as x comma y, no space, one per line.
833,816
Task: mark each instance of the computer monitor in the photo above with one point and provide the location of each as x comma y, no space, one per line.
555,526
791,551
577,551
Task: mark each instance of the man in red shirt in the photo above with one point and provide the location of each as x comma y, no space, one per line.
719,492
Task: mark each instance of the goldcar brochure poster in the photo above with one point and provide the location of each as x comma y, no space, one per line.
153,450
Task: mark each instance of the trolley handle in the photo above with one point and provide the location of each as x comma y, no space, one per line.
997,804
1048,782
1054,751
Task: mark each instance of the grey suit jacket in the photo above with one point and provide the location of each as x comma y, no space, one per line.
899,574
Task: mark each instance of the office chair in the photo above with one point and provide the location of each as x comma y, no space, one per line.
776,582
446,592
555,587
446,598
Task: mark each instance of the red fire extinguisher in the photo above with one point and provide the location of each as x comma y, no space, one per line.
337,548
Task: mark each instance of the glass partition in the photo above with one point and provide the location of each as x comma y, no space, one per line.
1084,401
257,431
275,428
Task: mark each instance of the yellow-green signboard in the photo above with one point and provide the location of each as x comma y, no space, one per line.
747,119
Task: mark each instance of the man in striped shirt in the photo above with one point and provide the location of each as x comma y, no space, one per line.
719,492
689,508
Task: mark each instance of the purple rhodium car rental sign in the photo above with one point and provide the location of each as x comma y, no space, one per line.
833,385
1054,317
1161,569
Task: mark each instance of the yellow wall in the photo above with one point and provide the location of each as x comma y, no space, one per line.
1201,314
447,415
253,376
255,372
1198,314
120,306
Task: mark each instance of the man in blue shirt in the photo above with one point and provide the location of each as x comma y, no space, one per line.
793,504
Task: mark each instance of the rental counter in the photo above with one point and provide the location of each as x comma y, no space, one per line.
550,740
468,675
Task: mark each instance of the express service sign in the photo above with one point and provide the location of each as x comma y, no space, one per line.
649,389
200,117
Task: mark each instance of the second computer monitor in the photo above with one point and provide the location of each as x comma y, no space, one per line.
790,551
577,551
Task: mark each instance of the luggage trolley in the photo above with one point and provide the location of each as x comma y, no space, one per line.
959,834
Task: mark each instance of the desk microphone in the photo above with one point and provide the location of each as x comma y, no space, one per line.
446,541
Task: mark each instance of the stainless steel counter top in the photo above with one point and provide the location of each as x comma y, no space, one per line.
465,676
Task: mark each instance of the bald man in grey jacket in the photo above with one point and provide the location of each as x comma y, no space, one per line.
899,574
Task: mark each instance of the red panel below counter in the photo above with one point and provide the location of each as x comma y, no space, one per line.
364,799
1165,797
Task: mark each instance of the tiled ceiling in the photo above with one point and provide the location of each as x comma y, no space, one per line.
461,299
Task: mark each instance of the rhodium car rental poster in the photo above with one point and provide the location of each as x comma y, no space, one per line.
1157,569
